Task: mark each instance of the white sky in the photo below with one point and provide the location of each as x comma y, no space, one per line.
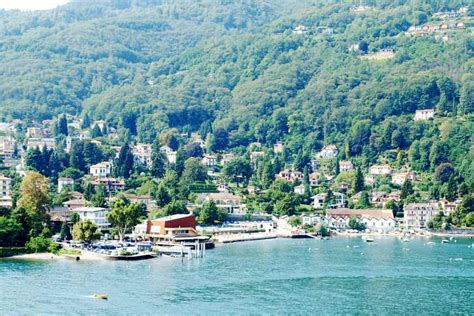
31,4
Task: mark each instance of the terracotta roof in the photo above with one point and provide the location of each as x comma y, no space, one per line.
371,213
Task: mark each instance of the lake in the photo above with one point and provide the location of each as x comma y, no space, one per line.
342,275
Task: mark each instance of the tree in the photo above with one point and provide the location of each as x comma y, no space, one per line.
76,159
354,223
295,221
10,231
287,205
220,140
35,199
451,189
364,201
99,198
162,195
358,182
306,183
123,216
208,213
444,171
85,231
175,207
33,159
62,126
124,163
96,131
86,121
238,170
194,170
193,150
321,230
158,161
407,190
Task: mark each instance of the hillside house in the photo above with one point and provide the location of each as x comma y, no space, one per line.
232,203
75,203
299,189
142,154
417,215
314,179
278,148
6,200
338,200
102,169
345,166
399,178
96,215
422,115
65,183
40,143
300,30
289,175
380,170
110,184
226,158
35,132
7,147
209,160
71,141
328,152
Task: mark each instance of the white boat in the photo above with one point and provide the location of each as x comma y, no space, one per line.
368,239
444,241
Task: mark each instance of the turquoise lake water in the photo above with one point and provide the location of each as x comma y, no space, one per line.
337,276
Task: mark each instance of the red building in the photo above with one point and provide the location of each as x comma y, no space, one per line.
172,225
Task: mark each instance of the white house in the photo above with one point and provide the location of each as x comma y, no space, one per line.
314,179
142,154
278,148
209,160
96,215
5,192
338,200
232,203
380,170
312,219
40,143
300,30
299,189
400,177
102,169
346,165
328,152
421,115
374,219
65,183
417,215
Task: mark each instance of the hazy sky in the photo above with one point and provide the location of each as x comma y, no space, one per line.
31,4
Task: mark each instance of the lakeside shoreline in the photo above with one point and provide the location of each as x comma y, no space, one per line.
91,256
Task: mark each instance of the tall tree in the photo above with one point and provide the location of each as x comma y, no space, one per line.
358,182
123,166
62,126
35,199
123,216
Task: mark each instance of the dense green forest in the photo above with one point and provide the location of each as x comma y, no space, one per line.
147,66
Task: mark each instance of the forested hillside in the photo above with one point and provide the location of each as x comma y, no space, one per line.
147,66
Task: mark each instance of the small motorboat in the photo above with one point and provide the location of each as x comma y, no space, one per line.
101,296
445,241
368,239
